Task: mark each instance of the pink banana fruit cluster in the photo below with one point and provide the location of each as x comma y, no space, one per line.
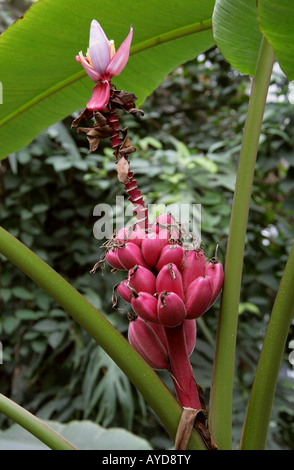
168,288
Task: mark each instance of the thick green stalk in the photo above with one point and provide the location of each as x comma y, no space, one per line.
34,425
116,346
220,414
260,403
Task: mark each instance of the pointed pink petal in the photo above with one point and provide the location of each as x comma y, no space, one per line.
95,76
99,49
120,58
100,96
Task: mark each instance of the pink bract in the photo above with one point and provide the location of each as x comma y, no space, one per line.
102,63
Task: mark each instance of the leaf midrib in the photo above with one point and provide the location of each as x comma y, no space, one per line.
141,46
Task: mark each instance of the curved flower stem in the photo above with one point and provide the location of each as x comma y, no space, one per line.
144,378
181,369
260,403
135,196
220,409
34,425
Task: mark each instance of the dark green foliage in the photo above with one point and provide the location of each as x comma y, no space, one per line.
187,151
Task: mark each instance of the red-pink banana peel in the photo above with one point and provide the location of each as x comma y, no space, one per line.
167,223
198,296
162,221
113,260
124,291
169,279
127,234
192,267
142,280
130,255
145,305
181,369
151,248
215,271
145,341
171,309
190,335
159,330
170,254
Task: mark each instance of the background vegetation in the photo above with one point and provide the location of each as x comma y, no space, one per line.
187,149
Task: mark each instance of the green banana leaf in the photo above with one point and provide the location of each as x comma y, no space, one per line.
276,21
237,34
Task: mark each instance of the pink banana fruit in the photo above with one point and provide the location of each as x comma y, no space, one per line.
145,305
169,279
130,255
198,297
190,331
171,309
127,234
142,280
124,291
151,248
113,259
145,341
192,267
170,254
166,222
214,269
159,330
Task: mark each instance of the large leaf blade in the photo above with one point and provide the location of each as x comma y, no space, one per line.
236,33
86,435
42,82
276,19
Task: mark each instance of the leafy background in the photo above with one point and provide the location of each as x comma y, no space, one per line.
187,149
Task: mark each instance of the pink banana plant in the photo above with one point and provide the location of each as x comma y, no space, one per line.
169,283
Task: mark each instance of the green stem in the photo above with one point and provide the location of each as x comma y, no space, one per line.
34,425
116,346
260,403
220,415
171,35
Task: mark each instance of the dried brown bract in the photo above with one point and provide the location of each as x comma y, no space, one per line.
123,100
100,130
